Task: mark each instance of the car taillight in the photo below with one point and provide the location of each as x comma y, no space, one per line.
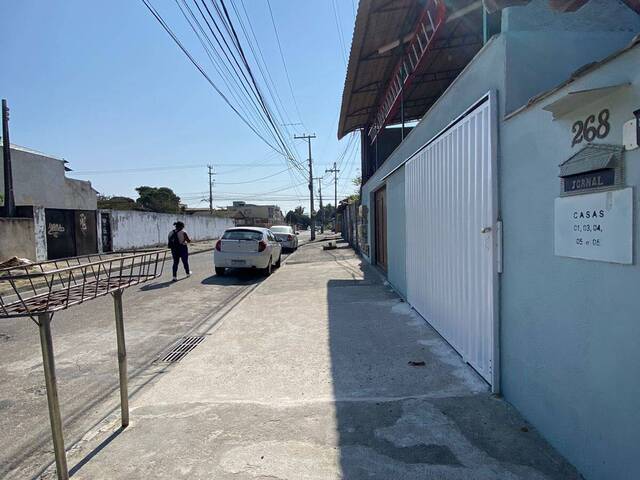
219,245
289,237
262,245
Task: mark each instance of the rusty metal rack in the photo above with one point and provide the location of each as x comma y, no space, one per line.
39,290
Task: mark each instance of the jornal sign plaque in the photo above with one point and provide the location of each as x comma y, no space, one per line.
595,226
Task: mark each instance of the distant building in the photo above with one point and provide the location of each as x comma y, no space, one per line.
57,214
255,215
204,211
40,179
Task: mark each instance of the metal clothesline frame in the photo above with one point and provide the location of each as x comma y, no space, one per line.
39,290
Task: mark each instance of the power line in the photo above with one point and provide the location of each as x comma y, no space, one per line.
230,78
253,80
246,72
133,170
256,179
335,16
239,73
215,30
284,63
260,61
166,27
174,167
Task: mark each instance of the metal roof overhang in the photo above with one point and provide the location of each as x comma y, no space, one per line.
381,27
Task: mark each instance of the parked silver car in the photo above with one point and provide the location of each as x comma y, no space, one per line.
247,247
288,236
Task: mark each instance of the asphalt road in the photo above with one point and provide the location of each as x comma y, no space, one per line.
157,315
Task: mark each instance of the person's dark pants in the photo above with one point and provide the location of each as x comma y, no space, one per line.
180,253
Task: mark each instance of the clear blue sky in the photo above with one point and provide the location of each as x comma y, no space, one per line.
103,86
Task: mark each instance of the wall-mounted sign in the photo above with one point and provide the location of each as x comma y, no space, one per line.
594,168
591,128
589,180
595,226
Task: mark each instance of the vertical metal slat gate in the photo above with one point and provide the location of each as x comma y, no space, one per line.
451,233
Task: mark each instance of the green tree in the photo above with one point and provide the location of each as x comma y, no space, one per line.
355,197
116,203
329,211
298,217
158,199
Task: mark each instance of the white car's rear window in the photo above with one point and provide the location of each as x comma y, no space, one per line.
242,235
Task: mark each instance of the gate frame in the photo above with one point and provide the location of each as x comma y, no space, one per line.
491,97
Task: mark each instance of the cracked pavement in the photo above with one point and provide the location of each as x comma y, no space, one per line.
309,377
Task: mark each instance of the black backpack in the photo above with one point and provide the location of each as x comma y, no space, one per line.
173,240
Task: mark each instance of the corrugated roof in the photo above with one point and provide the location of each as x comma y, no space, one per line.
381,24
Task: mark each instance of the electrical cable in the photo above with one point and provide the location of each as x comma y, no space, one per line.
284,63
166,27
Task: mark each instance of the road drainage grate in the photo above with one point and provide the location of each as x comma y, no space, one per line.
180,350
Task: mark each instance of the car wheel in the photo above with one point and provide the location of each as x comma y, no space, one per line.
220,271
279,262
267,271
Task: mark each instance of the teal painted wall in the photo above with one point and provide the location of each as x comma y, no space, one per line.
396,232
570,328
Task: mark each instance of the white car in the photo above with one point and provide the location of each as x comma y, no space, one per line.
247,247
288,236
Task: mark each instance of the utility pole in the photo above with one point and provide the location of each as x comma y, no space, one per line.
321,209
335,171
211,174
311,215
9,201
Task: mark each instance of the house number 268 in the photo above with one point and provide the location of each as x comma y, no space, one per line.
588,129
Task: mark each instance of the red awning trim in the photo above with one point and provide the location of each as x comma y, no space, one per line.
431,20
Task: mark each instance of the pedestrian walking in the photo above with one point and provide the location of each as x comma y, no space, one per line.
178,240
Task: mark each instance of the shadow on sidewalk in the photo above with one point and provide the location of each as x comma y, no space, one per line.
406,404
234,277
95,451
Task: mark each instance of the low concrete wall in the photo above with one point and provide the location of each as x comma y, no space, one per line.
133,229
17,238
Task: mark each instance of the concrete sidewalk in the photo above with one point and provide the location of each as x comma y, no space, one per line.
309,378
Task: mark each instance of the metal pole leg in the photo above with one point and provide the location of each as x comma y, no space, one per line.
122,358
52,395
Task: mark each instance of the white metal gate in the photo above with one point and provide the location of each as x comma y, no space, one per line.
453,234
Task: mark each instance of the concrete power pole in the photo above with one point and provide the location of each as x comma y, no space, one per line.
311,215
335,171
321,209
9,200
211,174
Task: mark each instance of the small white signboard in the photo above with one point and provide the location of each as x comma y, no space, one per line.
595,226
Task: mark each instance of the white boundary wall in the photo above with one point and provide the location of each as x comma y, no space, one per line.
133,229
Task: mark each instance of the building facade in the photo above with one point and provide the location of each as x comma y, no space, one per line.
40,179
248,214
60,211
462,216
